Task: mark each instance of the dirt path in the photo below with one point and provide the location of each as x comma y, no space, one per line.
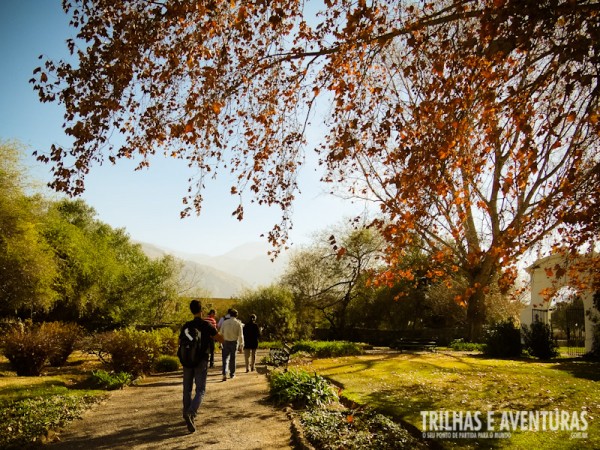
234,415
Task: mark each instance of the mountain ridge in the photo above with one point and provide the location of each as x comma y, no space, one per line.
224,276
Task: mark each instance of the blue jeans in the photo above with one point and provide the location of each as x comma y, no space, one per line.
197,376
229,350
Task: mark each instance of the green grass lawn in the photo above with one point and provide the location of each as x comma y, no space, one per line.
403,385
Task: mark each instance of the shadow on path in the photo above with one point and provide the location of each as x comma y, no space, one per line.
234,415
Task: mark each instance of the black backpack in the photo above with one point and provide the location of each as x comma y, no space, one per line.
189,346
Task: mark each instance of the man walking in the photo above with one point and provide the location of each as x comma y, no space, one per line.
196,373
251,335
233,335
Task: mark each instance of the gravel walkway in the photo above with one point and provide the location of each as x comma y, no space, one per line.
234,415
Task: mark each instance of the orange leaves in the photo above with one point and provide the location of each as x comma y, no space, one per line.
217,107
428,129
438,256
459,299
435,273
340,253
191,62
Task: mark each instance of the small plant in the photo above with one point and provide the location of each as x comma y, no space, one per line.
503,340
166,363
350,430
327,349
460,345
110,381
300,388
24,421
25,345
539,341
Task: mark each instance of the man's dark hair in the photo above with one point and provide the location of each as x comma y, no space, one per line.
233,312
195,306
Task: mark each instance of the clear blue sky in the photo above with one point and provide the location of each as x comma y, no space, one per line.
145,203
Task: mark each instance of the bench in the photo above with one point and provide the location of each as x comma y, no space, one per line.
414,344
280,356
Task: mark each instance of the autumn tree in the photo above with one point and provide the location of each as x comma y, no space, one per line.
473,123
483,152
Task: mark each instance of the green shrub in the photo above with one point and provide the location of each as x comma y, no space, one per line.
539,341
24,421
62,338
461,346
503,340
25,345
332,430
111,381
131,351
327,349
166,363
300,388
169,340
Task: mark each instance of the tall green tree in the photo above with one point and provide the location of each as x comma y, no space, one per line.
105,280
27,266
274,308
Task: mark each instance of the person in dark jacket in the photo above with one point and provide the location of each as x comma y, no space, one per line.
197,375
251,335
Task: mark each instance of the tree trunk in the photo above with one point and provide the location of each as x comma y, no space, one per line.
476,316
476,309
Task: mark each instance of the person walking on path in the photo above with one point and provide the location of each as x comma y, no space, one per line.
223,319
196,374
211,348
233,340
251,335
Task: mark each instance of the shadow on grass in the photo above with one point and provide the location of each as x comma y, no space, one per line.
41,388
579,368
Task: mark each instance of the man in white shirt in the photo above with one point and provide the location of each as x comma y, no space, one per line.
232,331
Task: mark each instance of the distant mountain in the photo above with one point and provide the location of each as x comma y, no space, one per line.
249,262
225,276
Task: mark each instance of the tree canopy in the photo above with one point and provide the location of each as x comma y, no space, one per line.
472,123
58,261
27,268
330,275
